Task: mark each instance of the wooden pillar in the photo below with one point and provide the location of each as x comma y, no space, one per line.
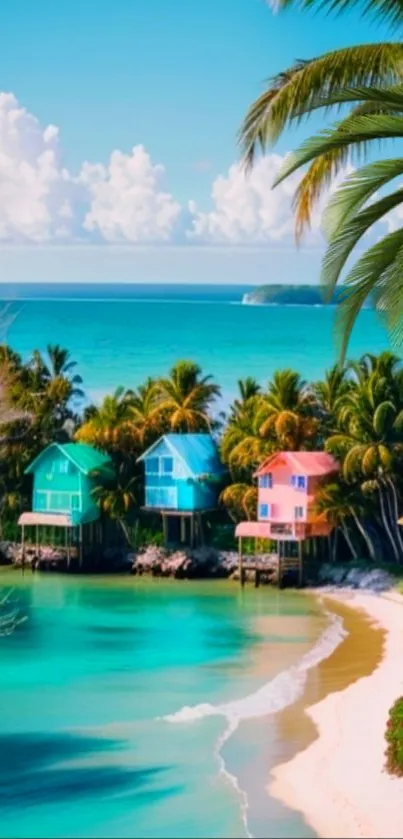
301,564
68,541
192,530
80,536
37,538
165,529
183,531
241,574
280,564
201,534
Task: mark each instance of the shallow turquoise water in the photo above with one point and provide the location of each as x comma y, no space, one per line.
88,678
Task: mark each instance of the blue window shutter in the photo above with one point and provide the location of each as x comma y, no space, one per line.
301,482
264,511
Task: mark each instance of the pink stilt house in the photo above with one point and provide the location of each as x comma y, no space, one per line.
287,487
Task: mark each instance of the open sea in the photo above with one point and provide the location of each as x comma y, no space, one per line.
120,334
157,709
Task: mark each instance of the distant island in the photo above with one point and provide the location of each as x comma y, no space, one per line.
283,295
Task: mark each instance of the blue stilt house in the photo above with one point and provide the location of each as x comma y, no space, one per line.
183,474
64,477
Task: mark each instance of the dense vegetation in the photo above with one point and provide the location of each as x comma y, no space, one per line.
355,413
394,739
362,84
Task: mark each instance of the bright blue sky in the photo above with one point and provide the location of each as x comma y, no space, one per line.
175,77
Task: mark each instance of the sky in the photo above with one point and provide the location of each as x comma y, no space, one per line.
118,152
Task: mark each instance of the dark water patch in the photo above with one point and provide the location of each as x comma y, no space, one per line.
34,771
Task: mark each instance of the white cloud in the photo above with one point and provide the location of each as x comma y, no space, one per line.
126,202
34,187
247,210
41,201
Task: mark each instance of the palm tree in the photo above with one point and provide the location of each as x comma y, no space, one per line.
240,501
286,411
108,427
243,446
368,78
329,394
147,420
339,510
369,444
186,397
118,499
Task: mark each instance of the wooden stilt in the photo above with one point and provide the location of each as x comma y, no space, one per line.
192,530
165,529
68,541
80,536
280,565
22,549
241,574
183,530
301,564
201,534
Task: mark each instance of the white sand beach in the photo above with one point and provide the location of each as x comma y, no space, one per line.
338,782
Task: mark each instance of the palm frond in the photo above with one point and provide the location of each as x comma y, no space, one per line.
292,92
349,235
388,10
356,190
361,282
353,133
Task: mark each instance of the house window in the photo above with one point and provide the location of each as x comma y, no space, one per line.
152,466
167,465
64,467
266,481
299,512
298,481
75,501
264,511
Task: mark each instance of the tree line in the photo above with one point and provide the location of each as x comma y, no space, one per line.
354,412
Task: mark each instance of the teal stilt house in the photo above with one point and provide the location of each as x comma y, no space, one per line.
183,474
64,477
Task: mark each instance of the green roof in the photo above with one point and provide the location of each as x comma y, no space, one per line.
85,458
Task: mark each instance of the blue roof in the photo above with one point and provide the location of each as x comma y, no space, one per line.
198,451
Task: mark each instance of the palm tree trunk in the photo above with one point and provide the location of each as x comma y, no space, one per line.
348,540
396,527
387,526
365,535
126,532
334,547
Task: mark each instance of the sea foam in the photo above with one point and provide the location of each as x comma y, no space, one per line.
282,690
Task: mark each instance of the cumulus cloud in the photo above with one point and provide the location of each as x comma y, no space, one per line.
35,189
41,201
246,209
126,202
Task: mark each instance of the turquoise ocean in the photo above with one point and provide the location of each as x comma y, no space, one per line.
120,334
140,708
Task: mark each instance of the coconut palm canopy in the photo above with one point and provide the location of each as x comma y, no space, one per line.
365,82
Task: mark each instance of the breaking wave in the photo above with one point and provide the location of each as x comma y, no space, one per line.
283,690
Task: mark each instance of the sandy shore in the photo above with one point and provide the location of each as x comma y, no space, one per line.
338,783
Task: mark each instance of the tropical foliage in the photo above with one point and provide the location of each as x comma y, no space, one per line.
365,82
355,413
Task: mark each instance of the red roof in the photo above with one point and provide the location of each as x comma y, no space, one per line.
304,463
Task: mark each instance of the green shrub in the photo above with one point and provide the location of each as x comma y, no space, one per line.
394,739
